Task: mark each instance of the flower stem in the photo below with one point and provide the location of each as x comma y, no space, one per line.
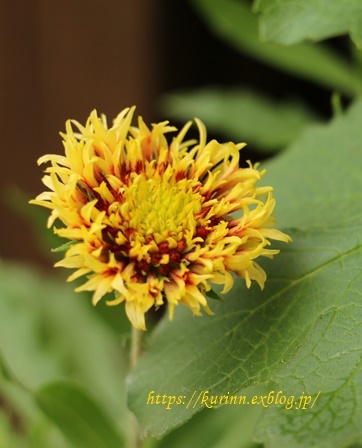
137,337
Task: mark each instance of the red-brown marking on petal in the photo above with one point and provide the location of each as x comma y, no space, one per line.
204,212
164,269
175,257
162,167
144,266
128,232
180,175
181,246
146,148
156,258
139,166
202,232
163,247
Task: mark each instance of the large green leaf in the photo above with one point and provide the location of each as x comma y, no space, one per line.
234,21
78,416
303,333
242,115
291,21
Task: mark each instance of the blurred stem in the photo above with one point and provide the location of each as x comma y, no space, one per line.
137,338
337,107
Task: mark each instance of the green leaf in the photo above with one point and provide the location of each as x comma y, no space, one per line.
242,115
78,416
303,333
213,295
292,21
64,247
234,21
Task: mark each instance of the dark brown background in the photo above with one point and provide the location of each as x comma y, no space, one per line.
59,60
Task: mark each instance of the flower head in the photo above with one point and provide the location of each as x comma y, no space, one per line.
154,221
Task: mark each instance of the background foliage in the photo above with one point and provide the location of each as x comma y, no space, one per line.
64,366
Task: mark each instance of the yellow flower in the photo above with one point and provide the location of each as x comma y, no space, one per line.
155,221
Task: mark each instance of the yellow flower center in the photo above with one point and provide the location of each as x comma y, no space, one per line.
161,206
155,220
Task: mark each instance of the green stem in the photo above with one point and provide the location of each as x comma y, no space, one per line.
137,337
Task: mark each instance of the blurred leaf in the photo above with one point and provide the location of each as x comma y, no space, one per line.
234,21
9,438
78,416
303,332
292,21
242,115
47,333
25,423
